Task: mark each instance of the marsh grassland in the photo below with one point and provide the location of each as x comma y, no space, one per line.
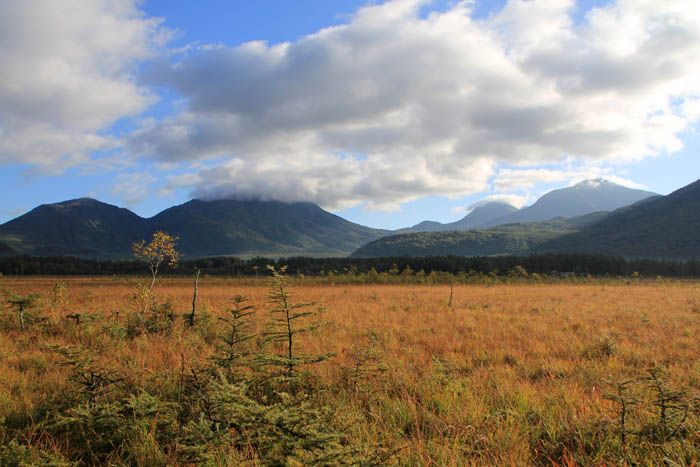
597,373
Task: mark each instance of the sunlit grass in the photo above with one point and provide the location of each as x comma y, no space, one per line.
509,374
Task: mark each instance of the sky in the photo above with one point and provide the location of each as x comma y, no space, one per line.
384,112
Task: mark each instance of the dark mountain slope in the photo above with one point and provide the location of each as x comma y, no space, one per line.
89,228
661,227
5,250
226,227
81,227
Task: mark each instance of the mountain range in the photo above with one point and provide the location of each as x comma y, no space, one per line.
480,216
508,239
659,227
666,227
583,198
89,228
574,219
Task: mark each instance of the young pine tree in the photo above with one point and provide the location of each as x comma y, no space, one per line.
231,355
286,321
21,304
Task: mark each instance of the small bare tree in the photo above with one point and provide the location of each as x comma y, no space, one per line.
160,250
190,318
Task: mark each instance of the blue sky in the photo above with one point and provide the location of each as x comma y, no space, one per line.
175,102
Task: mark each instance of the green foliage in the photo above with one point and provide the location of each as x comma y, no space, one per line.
236,333
502,240
14,454
372,276
366,371
654,418
294,430
672,405
602,348
132,430
93,379
286,321
362,268
625,403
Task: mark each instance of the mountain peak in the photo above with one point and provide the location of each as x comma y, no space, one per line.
666,227
586,197
83,200
78,203
594,183
481,214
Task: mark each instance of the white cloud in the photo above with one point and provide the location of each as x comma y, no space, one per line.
390,107
66,74
134,187
328,180
394,105
514,200
513,180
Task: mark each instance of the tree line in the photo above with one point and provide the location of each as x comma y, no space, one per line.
558,264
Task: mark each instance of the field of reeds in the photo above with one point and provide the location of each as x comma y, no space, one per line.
93,371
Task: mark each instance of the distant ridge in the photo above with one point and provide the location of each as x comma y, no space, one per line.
482,215
666,227
583,198
508,239
89,228
657,227
589,196
479,217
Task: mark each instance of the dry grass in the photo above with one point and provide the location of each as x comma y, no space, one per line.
509,375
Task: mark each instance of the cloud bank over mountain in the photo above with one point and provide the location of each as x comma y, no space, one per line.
399,103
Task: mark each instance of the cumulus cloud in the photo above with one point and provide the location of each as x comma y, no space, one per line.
396,105
518,180
67,73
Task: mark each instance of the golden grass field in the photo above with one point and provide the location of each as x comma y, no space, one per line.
510,374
